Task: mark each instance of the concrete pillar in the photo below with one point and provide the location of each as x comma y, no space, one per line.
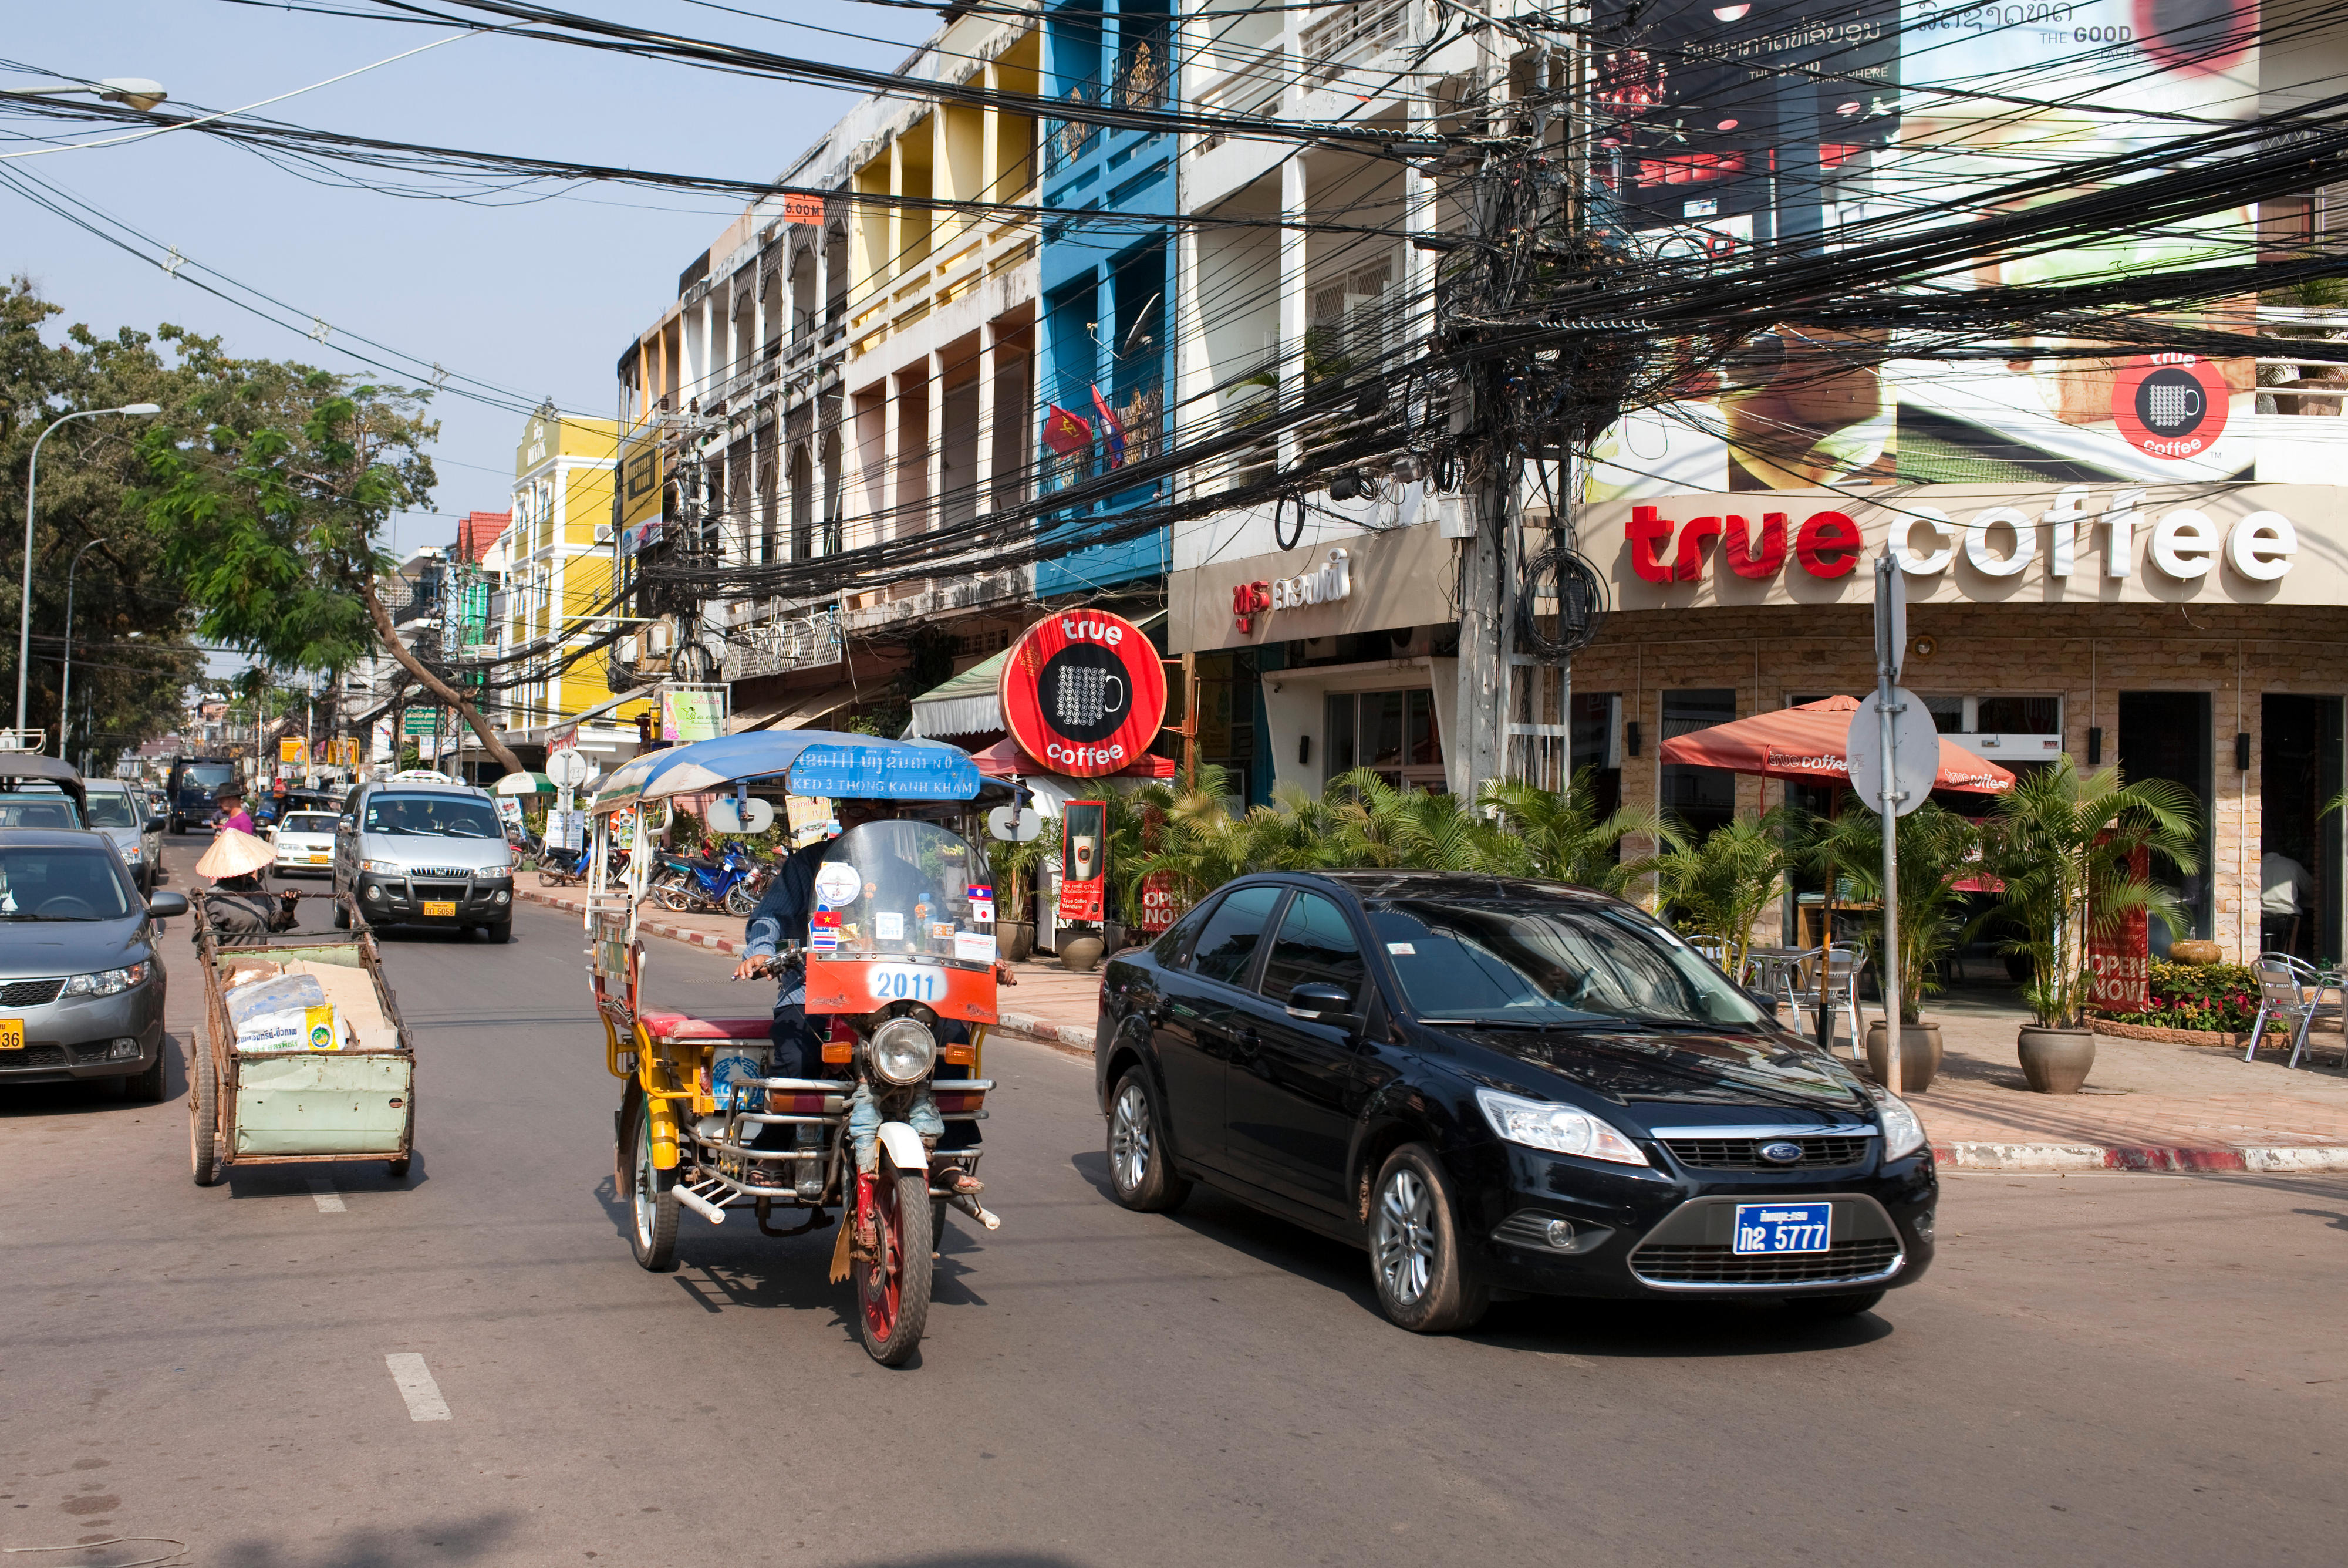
983,474
1292,303
934,455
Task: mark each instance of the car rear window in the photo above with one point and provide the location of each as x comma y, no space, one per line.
1229,938
308,823
36,812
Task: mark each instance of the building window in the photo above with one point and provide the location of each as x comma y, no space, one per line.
1700,799
2300,766
1392,733
1596,745
2166,735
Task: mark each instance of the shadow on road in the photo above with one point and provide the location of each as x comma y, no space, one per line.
483,1538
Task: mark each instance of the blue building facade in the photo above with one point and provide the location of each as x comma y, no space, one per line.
1106,288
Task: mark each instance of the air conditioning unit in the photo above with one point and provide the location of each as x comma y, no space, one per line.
627,646
660,636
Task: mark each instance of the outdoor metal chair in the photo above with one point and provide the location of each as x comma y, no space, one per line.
1834,990
2291,990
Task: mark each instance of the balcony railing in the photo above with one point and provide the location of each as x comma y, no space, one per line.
1358,32
804,641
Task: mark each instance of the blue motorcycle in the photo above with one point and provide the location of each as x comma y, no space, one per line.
731,880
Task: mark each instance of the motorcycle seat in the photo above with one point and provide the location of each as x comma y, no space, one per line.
684,1026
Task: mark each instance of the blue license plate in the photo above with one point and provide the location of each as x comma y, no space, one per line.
1783,1227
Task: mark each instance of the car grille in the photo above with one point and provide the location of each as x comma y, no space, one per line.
1744,1153
29,993
439,891
444,872
1678,1265
33,1057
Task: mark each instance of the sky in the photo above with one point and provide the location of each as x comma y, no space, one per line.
538,295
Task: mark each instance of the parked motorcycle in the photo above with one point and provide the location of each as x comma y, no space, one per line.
692,884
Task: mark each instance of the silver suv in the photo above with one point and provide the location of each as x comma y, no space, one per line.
413,853
121,812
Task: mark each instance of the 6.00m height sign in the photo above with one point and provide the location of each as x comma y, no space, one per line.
1084,692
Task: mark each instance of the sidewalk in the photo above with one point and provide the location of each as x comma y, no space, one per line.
2148,1106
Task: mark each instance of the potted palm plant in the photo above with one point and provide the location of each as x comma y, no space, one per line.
2062,844
1938,849
1012,865
1718,888
1561,835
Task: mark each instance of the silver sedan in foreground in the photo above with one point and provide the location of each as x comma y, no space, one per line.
81,977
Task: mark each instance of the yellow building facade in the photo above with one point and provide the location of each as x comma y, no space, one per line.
559,570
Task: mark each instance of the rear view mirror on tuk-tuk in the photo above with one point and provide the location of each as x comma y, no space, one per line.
1015,824
747,817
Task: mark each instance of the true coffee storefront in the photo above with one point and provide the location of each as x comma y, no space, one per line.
2188,632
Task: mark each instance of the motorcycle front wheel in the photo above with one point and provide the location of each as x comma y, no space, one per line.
893,1288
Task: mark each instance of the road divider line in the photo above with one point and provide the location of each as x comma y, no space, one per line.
413,1381
321,1191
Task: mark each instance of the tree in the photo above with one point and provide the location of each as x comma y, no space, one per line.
132,657
271,512
1718,888
1565,840
1938,849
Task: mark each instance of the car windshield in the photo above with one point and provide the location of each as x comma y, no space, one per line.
45,810
114,809
74,883
887,889
1539,963
432,816
206,776
307,822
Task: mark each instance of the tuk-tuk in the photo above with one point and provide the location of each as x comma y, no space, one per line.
899,959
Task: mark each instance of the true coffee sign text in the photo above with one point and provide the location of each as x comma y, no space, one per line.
2180,543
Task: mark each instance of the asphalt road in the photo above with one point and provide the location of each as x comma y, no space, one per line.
2101,1369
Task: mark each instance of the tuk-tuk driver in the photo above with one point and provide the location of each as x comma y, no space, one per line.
782,915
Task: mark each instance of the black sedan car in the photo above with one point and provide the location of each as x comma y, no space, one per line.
1499,1085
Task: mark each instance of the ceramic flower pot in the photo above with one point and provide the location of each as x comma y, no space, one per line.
2194,950
1081,954
2055,1061
1919,1056
1016,939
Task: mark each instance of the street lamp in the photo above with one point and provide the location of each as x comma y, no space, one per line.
32,482
138,92
65,682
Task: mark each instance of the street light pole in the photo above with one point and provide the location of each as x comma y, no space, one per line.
65,681
32,490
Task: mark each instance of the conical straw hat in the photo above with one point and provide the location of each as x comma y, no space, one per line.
233,854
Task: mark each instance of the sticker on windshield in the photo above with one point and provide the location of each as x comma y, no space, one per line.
974,946
981,904
1401,949
888,925
836,882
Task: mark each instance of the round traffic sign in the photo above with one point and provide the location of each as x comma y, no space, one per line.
1915,752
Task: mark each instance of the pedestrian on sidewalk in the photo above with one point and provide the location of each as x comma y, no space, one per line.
2283,883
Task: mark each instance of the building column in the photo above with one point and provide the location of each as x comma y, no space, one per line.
1293,318
983,474
934,455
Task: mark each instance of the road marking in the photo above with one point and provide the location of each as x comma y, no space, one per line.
322,1191
413,1381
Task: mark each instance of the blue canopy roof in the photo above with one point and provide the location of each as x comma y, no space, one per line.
817,762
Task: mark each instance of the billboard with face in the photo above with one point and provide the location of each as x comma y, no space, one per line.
1746,132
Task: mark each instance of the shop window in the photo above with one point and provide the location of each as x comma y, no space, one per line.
2300,740
1699,798
2013,728
1392,733
2166,735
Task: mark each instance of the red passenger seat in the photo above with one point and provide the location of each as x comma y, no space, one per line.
684,1026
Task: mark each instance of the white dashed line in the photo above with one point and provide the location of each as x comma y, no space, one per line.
413,1381
329,1200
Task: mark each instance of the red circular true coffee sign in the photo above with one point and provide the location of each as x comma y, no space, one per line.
1083,693
2170,404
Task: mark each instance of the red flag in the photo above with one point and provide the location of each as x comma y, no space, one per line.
1112,428
1065,433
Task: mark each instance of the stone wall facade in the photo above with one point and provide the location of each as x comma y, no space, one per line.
2087,655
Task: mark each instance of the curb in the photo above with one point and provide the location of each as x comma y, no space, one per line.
2271,1159
1034,1027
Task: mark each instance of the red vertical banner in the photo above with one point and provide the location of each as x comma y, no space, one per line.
1084,861
1160,904
2119,960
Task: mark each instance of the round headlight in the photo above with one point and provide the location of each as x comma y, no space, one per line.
902,1050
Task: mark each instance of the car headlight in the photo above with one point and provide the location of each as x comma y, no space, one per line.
105,983
134,853
902,1050
1559,1128
1903,1130
386,868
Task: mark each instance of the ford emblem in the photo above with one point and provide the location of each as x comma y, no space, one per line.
1782,1152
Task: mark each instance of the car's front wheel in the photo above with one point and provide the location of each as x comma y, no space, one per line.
1426,1281
1138,1172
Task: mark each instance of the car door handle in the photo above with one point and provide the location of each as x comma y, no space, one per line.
1250,1043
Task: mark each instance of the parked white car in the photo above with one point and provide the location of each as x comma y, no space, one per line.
306,845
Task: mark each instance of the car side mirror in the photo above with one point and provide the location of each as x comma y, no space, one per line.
1764,1001
1320,1000
345,824
165,904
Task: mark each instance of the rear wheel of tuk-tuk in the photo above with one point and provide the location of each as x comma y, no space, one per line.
203,1117
892,1287
649,1191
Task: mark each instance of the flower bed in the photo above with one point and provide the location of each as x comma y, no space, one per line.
2214,998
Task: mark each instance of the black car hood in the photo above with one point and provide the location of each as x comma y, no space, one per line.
1681,1067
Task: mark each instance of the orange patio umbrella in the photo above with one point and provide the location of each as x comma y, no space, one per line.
1810,742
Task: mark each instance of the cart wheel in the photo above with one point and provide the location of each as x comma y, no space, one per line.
892,1289
396,1168
203,1117
342,913
650,1197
